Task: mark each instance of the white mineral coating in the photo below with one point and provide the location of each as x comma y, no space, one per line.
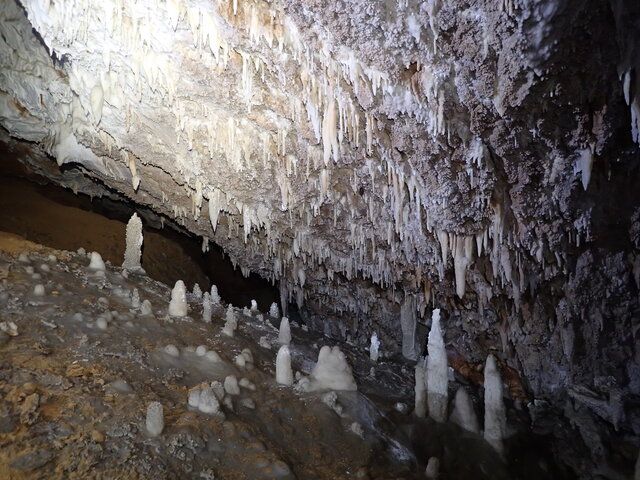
374,348
231,385
495,417
145,308
155,419
357,429
172,350
437,371
206,307
432,471
463,412
284,333
178,304
10,328
38,290
274,311
332,371
284,373
96,263
133,251
264,343
201,351
420,388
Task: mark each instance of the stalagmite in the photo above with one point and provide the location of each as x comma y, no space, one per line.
254,306
374,348
155,419
231,322
284,334
463,412
96,263
206,308
494,410
178,304
420,408
215,297
437,374
332,372
284,374
133,252
432,471
274,311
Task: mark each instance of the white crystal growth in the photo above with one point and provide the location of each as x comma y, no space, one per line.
437,374
463,412
374,348
155,419
332,372
284,334
208,403
96,262
284,374
274,311
133,251
178,304
494,411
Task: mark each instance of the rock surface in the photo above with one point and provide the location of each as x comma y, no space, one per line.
367,156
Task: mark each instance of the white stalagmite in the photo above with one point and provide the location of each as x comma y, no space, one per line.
96,263
254,306
374,348
464,414
437,375
133,251
215,297
155,419
494,410
284,334
197,291
332,372
274,311
231,322
206,307
420,392
284,374
178,304
432,472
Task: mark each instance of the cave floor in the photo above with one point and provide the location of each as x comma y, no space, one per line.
73,396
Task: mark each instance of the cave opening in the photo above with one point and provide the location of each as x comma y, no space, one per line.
45,213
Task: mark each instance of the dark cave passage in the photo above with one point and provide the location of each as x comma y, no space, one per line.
53,216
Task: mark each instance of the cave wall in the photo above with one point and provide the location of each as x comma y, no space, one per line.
374,159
